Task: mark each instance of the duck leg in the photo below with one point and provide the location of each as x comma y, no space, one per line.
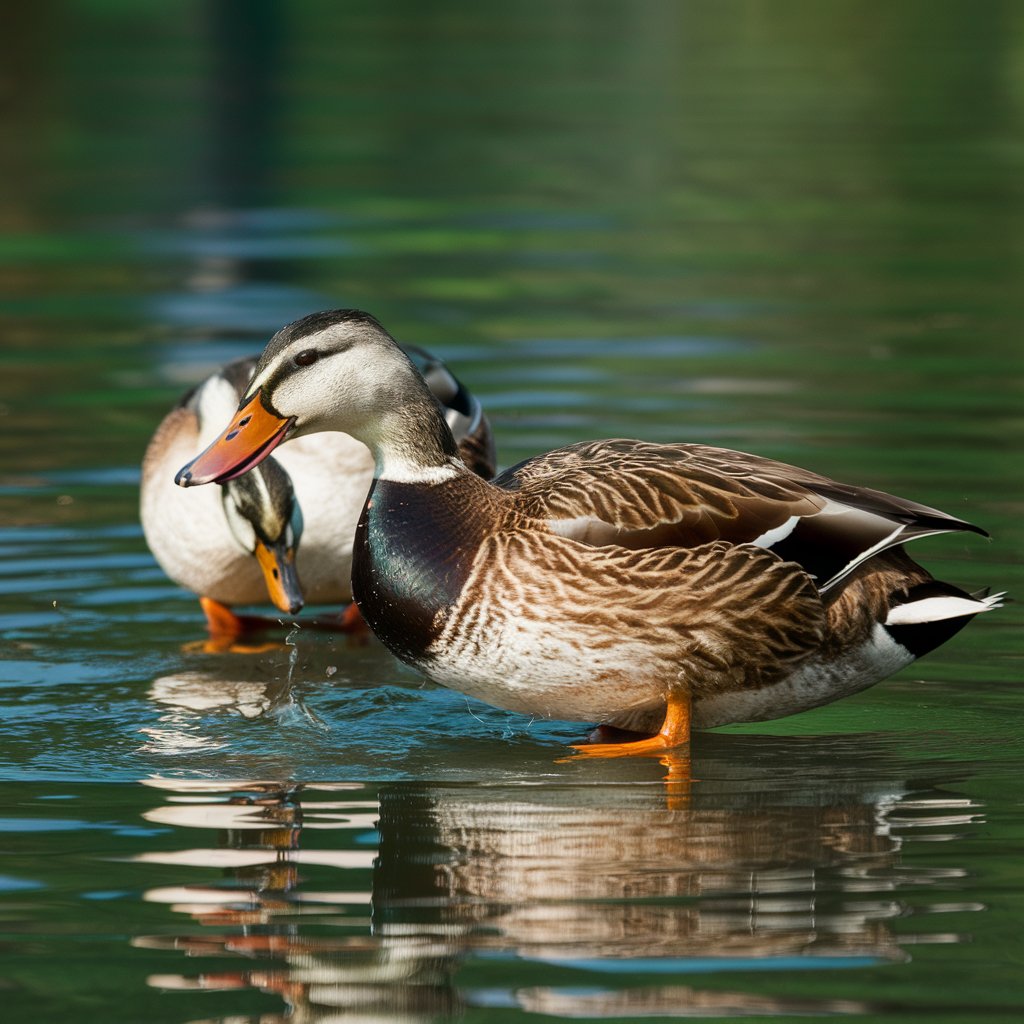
348,621
674,732
221,621
226,626
227,630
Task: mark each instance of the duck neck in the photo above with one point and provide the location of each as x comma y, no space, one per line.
414,549
412,443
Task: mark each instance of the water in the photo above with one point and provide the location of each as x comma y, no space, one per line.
787,228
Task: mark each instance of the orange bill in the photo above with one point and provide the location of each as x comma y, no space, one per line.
251,436
278,564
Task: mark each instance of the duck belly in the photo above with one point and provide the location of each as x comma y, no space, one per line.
531,667
191,542
536,671
819,680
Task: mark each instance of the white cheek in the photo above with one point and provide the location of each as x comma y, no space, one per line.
241,529
307,397
337,393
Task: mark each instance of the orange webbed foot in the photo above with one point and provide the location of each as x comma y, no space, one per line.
227,629
353,622
674,733
222,621
652,745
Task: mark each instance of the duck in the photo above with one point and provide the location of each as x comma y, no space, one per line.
650,588
284,530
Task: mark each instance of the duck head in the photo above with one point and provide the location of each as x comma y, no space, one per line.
266,521
336,370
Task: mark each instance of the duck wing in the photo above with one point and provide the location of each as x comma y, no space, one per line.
635,494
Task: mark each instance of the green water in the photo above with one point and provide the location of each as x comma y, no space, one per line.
793,228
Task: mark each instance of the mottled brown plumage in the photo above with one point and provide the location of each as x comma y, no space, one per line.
636,494
712,619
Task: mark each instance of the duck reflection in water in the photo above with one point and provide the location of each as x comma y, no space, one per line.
589,881
194,703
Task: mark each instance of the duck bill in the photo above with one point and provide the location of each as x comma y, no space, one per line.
277,562
250,437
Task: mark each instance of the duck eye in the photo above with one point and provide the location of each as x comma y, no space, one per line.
306,357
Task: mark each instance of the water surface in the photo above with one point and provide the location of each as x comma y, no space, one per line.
790,228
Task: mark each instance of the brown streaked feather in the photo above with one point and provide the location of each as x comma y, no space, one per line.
639,495
635,487
712,619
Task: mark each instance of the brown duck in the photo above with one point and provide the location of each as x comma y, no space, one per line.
645,586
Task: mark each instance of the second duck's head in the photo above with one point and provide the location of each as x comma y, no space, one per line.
265,519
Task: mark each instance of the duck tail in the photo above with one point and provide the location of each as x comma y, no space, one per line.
930,613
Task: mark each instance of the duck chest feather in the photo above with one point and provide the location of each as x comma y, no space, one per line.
414,548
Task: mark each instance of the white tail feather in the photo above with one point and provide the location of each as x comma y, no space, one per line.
935,609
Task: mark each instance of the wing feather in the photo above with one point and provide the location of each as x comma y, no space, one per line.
639,495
